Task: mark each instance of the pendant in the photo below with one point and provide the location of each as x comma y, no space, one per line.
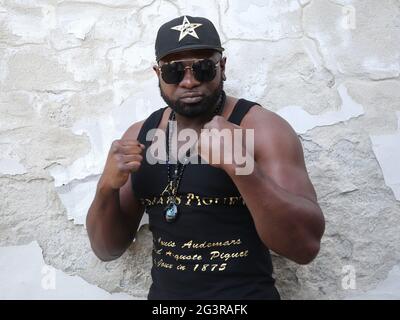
171,212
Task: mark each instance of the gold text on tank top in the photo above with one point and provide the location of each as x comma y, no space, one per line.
206,256
192,199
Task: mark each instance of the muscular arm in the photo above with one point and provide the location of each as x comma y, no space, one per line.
114,215
279,193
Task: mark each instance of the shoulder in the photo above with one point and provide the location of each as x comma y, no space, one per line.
272,133
263,119
132,132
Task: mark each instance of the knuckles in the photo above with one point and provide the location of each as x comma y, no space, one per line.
120,166
117,157
115,146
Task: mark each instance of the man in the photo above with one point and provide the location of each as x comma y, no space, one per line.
212,227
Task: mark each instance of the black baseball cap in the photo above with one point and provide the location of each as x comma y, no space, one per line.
186,33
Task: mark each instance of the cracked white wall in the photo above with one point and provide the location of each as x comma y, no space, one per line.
387,150
75,74
41,281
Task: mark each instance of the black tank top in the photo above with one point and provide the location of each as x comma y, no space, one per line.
213,250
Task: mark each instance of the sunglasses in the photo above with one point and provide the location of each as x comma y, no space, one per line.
203,70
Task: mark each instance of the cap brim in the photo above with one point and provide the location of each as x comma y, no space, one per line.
190,47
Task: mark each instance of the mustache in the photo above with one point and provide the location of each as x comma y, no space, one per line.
192,110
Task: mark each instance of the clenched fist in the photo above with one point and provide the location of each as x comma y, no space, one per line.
124,157
227,146
216,142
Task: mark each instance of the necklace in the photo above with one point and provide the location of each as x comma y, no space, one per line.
171,211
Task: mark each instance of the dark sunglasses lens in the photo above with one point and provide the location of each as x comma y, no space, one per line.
172,73
204,70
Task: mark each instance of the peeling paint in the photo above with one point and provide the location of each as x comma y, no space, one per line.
302,121
388,289
82,75
10,163
77,197
252,15
12,167
386,149
379,69
347,50
82,176
24,275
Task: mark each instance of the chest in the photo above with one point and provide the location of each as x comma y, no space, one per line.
201,179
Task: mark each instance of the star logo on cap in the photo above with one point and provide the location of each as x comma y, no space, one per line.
187,28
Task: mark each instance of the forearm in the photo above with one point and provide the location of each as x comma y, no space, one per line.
288,224
108,230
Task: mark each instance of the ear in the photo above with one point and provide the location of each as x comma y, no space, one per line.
156,70
223,64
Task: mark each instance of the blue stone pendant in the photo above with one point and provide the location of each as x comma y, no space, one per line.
171,212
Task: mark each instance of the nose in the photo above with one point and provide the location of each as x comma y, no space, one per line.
189,81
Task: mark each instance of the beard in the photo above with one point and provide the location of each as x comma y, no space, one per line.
193,110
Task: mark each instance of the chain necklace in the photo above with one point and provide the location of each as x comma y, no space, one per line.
171,211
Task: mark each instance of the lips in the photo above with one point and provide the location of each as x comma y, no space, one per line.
191,97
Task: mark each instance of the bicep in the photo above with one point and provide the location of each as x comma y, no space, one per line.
281,158
292,178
